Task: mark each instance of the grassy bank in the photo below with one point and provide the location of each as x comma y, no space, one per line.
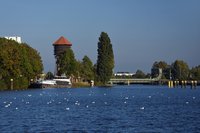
80,85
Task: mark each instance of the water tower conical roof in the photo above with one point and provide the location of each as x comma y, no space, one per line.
62,41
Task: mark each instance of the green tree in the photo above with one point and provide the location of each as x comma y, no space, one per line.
105,59
165,69
78,69
87,69
67,63
19,62
49,75
140,74
180,70
195,73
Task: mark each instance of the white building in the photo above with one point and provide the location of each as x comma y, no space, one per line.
15,38
120,74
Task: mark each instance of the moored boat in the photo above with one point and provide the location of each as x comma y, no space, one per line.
56,82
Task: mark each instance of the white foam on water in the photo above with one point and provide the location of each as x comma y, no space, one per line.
67,108
8,105
126,98
142,108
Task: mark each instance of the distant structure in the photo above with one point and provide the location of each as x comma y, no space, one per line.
15,38
60,46
124,74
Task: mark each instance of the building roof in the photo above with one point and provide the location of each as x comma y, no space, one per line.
62,41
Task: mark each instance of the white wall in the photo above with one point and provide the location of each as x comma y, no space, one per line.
15,38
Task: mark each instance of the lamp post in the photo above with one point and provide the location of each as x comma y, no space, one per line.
20,84
11,84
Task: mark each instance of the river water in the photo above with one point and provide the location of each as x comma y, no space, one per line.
117,109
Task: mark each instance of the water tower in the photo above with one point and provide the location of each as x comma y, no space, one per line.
60,46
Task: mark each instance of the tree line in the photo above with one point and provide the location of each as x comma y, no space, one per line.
178,70
18,62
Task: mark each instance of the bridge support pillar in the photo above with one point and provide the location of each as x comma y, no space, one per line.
170,84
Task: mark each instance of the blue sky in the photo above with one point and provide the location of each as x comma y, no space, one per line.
141,31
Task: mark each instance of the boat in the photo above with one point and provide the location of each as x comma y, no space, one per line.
62,82
56,82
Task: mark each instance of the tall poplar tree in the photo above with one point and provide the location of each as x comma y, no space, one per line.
105,59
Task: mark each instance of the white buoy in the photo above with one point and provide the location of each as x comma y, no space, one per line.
67,108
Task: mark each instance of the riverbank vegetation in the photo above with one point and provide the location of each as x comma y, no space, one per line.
19,63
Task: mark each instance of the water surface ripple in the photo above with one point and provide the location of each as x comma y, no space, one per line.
118,109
